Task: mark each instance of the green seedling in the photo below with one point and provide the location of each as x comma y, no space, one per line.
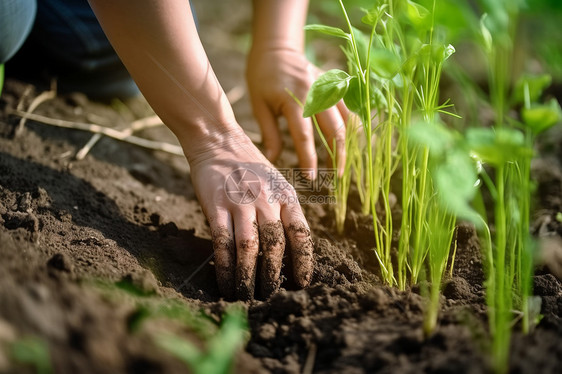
221,342
453,177
218,356
501,148
34,352
322,90
393,74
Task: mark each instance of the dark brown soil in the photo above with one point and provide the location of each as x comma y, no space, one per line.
74,234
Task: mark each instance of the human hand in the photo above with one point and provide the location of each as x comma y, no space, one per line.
270,74
249,216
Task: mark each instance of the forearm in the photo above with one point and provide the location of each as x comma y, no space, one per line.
158,43
278,24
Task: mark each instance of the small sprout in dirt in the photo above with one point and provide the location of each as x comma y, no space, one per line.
220,351
32,351
559,217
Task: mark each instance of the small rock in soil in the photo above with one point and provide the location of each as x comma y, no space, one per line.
546,285
14,220
266,332
24,203
142,281
457,289
284,303
169,229
61,262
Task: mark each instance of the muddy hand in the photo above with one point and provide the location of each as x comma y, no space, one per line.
251,209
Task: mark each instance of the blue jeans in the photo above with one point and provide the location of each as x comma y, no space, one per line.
64,37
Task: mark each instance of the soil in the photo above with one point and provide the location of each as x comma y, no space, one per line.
75,233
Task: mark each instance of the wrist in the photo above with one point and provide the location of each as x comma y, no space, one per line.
279,24
217,141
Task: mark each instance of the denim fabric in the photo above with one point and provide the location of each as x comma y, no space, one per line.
16,19
67,41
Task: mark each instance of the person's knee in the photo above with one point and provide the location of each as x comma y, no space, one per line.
16,21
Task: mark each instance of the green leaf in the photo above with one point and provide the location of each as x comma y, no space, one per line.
418,16
328,30
221,348
326,91
33,351
436,53
455,180
373,16
432,135
497,146
536,84
540,117
182,349
384,63
352,97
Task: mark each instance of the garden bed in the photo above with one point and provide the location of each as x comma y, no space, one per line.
84,243
64,227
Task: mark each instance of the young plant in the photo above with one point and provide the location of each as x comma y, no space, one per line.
453,176
32,351
500,148
342,178
355,89
220,350
508,149
393,75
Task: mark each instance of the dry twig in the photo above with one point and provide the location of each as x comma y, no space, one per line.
124,136
44,96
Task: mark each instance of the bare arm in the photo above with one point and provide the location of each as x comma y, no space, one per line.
158,43
277,57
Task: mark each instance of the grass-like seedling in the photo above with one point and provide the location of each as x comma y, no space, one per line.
356,89
392,81
221,343
453,177
508,149
392,84
34,352
220,350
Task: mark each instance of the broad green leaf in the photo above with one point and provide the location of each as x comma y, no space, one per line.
352,97
326,91
497,146
535,84
541,117
378,100
437,53
373,16
455,180
362,42
384,63
432,135
328,30
33,351
221,348
418,16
